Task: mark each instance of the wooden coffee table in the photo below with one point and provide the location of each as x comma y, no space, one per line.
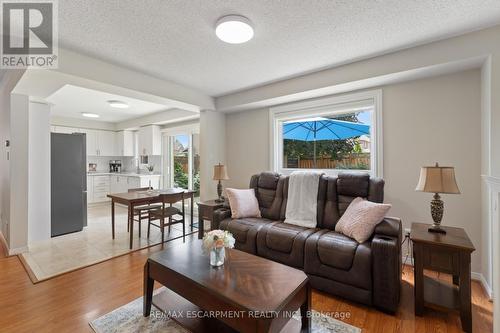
247,294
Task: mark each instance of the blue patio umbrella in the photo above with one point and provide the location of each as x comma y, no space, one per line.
319,128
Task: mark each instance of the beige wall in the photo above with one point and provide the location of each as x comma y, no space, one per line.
428,120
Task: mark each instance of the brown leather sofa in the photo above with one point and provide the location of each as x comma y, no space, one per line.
369,273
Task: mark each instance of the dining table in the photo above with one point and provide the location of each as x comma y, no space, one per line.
139,198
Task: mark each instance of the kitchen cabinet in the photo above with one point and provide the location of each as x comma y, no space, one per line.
106,143
124,143
91,140
100,143
149,140
119,184
152,180
134,182
101,188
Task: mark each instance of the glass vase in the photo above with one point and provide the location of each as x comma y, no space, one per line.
217,255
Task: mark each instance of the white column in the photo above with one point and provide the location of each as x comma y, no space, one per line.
39,174
18,229
212,150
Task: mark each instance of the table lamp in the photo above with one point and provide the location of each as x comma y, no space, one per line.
437,179
220,173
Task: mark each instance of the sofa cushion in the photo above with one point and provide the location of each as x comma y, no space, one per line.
283,243
280,236
347,262
360,219
336,250
244,231
243,203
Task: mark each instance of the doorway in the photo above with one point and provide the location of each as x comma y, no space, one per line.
182,161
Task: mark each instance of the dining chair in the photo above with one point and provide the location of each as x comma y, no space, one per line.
142,212
168,212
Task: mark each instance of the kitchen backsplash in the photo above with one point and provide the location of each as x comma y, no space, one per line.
128,163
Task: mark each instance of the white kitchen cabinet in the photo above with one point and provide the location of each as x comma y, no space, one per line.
91,142
101,188
153,181
149,140
134,182
124,143
119,184
100,143
106,143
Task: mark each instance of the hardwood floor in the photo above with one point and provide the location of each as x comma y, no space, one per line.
68,302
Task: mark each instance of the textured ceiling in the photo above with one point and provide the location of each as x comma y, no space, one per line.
175,39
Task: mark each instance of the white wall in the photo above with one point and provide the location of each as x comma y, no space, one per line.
428,120
39,185
247,146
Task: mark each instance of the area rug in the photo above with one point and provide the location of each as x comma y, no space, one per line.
128,319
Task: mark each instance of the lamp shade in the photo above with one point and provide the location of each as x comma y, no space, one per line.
220,172
437,179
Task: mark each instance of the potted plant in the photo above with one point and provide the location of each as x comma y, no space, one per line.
150,168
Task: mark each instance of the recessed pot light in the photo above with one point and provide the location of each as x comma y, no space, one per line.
234,29
90,115
118,104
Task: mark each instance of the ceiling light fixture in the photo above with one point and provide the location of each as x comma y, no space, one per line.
118,104
90,115
234,29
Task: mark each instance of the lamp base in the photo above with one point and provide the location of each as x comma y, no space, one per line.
437,229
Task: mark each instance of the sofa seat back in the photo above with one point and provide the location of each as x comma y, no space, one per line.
336,193
268,188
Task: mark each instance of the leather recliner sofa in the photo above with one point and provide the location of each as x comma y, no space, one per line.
369,273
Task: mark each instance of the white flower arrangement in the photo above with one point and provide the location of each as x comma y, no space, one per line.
217,239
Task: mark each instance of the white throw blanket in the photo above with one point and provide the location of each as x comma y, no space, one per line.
301,207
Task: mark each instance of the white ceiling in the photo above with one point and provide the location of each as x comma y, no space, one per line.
175,39
70,101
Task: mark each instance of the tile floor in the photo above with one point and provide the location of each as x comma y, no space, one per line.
94,244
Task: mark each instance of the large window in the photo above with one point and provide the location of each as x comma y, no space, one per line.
333,134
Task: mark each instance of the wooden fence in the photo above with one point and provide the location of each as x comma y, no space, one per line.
354,161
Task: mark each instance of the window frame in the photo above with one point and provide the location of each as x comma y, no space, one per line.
327,106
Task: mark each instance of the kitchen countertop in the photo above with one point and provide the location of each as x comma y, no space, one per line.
129,174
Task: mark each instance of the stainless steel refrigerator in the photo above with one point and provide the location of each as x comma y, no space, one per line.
68,183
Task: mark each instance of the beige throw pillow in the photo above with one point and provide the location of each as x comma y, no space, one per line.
361,218
243,203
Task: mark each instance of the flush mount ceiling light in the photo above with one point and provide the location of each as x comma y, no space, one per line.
90,115
118,104
234,29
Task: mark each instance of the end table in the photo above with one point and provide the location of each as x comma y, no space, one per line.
448,253
206,212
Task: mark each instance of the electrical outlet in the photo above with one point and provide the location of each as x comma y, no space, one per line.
407,232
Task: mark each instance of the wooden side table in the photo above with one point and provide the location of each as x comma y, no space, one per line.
448,253
206,212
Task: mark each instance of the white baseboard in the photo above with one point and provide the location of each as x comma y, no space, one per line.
15,251
473,275
18,250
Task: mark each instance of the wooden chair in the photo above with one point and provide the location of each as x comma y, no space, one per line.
167,212
142,212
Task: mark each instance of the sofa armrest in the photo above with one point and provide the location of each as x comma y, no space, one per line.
386,265
390,226
219,215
